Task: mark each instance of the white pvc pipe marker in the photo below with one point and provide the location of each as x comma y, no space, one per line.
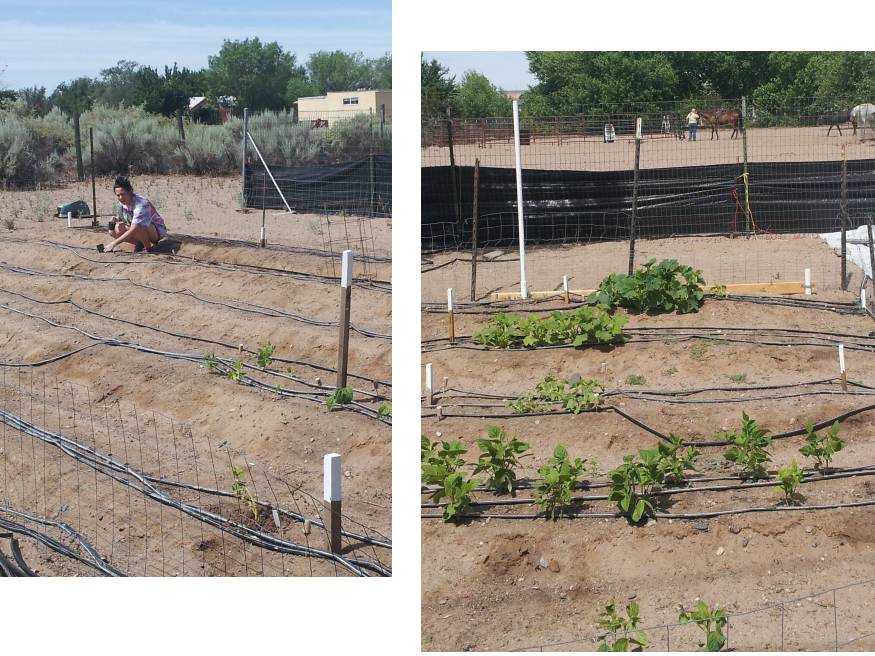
346,269
331,477
449,299
808,282
429,381
841,358
524,290
69,219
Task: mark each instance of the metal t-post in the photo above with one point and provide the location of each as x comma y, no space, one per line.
524,290
94,221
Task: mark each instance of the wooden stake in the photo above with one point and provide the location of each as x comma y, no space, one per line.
451,323
429,384
332,479
440,412
345,303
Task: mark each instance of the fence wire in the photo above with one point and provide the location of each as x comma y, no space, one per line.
744,205
93,485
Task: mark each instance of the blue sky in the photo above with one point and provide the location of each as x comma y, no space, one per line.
45,42
508,70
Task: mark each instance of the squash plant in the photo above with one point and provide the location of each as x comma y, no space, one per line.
580,327
667,286
584,394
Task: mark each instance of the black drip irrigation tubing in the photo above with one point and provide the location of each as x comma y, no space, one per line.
120,472
759,483
226,367
240,306
374,285
203,340
640,424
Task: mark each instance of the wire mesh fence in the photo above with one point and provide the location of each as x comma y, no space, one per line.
836,619
744,201
93,485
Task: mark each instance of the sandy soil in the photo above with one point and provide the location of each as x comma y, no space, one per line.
285,436
722,259
764,145
484,586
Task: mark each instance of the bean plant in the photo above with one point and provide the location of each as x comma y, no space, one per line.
712,621
675,460
558,477
748,448
456,488
440,460
621,633
498,457
264,355
789,478
822,447
633,482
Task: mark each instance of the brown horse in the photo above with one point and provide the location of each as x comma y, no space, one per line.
726,117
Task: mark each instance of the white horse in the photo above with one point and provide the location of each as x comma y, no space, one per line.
863,116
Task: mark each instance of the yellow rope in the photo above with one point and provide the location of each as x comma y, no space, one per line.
753,224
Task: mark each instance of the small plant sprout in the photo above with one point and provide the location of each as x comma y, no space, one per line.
699,350
635,379
748,448
719,291
439,461
738,378
822,447
385,410
712,621
674,461
264,355
789,478
235,373
340,396
498,457
456,488
558,477
212,362
242,492
621,633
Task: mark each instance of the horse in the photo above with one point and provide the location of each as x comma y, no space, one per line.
864,116
318,123
722,117
835,120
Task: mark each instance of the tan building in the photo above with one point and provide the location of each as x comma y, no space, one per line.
337,105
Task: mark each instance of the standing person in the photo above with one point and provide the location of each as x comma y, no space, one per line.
137,222
693,123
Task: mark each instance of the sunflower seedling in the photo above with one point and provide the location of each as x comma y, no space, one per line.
498,457
621,633
712,621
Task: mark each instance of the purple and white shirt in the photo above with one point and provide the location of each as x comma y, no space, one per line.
143,213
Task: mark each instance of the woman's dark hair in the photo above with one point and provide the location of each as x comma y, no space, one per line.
123,183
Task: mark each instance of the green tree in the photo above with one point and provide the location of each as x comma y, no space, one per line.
436,89
381,72
256,74
75,98
35,101
119,85
338,71
477,97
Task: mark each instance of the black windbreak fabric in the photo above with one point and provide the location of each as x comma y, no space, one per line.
362,187
570,206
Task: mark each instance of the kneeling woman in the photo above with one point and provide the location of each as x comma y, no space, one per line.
138,221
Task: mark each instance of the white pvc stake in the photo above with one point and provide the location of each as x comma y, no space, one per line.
69,219
449,299
429,384
331,477
263,234
346,269
524,290
808,282
451,321
841,358
863,298
638,128
565,289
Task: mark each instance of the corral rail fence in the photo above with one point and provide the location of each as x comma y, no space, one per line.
795,168
93,485
359,183
835,619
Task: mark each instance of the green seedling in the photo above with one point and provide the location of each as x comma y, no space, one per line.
385,410
738,378
558,477
712,621
822,447
457,490
674,461
235,373
719,291
621,633
340,396
577,397
212,362
498,457
633,482
264,355
242,492
654,289
699,350
748,448
790,478
635,379
438,462
671,371
581,327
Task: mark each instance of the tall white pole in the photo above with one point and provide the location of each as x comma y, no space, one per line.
524,290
